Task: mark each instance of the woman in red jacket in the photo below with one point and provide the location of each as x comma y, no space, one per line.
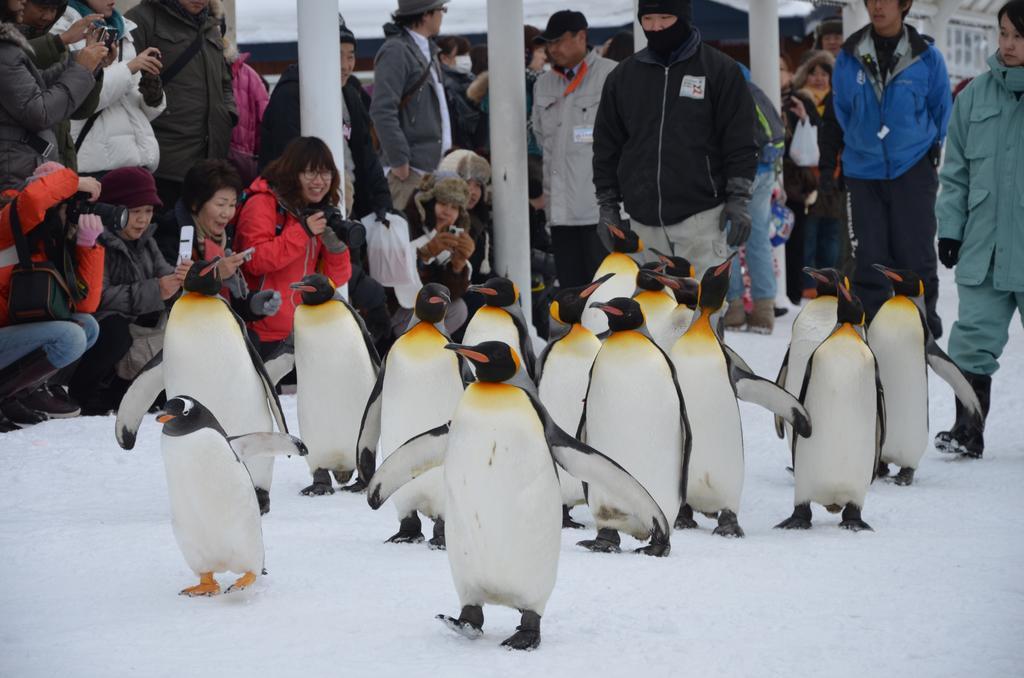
283,219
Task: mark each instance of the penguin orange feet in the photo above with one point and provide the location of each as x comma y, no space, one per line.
527,635
243,582
851,519
800,520
408,531
568,522
905,476
685,521
207,586
321,484
607,541
470,623
728,525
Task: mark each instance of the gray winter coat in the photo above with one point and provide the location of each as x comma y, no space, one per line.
412,135
130,272
32,102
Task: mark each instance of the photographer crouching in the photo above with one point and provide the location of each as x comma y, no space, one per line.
51,277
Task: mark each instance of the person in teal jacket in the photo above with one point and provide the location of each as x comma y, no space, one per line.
980,214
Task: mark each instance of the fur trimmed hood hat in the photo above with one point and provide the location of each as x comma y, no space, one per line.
446,188
812,60
467,165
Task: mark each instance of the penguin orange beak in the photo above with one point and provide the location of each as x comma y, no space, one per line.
669,281
617,232
888,272
467,352
481,289
845,292
302,287
437,300
164,418
817,275
724,266
592,287
607,308
209,267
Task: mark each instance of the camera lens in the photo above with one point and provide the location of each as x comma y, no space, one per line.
352,233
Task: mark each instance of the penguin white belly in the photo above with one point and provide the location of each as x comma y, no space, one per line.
503,514
815,322
678,322
896,337
657,307
422,387
835,465
335,379
491,324
633,416
622,284
562,388
205,357
214,512
715,473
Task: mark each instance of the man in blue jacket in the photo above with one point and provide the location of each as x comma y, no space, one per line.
892,100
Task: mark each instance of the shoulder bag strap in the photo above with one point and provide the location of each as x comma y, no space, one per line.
168,73
20,243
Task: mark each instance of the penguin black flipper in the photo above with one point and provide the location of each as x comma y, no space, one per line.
754,389
879,421
411,460
590,466
950,373
525,343
137,401
556,333
269,387
266,444
367,339
780,381
369,430
281,361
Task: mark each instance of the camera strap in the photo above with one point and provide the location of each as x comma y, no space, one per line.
20,242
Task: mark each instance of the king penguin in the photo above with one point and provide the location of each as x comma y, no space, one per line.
634,413
622,262
905,348
207,353
655,300
501,454
417,388
501,319
563,373
336,366
843,395
678,279
214,513
711,378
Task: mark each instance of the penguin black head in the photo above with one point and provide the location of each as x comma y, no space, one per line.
623,314
184,414
204,278
569,304
849,310
432,303
316,289
685,290
715,285
647,279
679,267
825,279
625,240
495,361
904,282
498,292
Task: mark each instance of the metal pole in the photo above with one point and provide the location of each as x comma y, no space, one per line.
763,27
508,144
855,17
639,37
320,76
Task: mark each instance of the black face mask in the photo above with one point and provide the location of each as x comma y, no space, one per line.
666,41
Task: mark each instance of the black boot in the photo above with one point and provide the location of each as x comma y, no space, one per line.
25,373
6,425
966,437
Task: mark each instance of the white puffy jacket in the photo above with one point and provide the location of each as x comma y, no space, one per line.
121,135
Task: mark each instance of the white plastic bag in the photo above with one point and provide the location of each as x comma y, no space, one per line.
392,259
803,149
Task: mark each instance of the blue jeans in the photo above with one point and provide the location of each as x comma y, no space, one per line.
759,248
64,341
821,245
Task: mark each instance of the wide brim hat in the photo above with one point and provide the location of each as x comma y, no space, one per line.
412,7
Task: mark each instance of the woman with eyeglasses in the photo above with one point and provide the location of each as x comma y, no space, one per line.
283,219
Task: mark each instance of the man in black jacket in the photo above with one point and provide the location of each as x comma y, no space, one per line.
684,167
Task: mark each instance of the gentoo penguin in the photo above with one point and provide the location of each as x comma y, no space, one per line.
214,513
207,353
901,341
417,388
635,414
563,373
843,395
336,366
711,377
811,326
503,523
501,319
622,263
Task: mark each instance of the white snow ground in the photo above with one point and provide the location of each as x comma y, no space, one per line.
89,573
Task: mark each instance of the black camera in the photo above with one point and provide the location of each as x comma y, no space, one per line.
352,233
114,217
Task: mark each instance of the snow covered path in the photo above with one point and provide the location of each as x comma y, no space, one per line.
89,572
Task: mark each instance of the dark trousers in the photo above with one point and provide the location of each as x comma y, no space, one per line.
578,253
894,225
795,253
95,379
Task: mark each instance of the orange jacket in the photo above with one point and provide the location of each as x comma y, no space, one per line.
33,201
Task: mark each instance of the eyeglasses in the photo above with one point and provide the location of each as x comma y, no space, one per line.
443,9
310,175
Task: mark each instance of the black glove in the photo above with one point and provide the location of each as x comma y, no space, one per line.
608,204
152,89
736,213
935,155
949,251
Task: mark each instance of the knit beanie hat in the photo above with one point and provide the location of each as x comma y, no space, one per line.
678,8
129,186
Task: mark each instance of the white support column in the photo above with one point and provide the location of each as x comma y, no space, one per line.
639,37
763,28
855,17
940,21
508,144
320,75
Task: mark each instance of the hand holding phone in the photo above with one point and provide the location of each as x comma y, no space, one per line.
185,243
247,254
